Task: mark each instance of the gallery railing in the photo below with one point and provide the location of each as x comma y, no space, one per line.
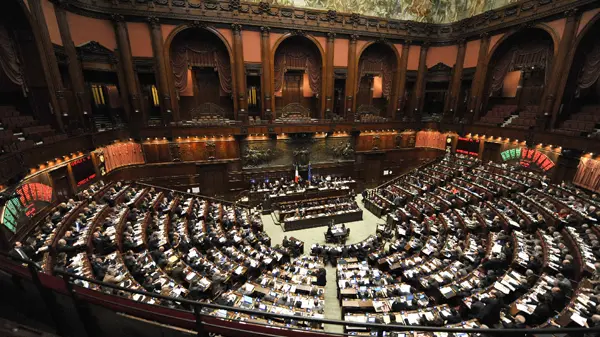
192,319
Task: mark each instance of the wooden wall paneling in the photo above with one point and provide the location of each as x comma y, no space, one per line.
373,168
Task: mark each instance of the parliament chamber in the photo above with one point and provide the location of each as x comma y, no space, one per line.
300,168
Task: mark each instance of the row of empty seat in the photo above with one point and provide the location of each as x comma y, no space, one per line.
497,115
18,133
586,121
526,118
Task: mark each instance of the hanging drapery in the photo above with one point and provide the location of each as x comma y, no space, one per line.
499,73
122,154
9,60
196,54
431,139
588,174
372,63
291,57
521,58
590,72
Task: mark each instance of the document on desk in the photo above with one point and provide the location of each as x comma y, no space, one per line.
413,319
528,308
575,317
446,291
502,288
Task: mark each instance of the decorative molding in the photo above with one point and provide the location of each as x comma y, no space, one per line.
117,18
263,8
331,15
264,30
60,4
571,13
225,12
354,19
330,36
440,67
154,21
199,24
95,52
299,32
234,5
237,28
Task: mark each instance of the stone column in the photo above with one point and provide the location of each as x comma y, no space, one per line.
131,93
268,102
402,78
240,71
419,91
560,67
50,64
453,96
160,70
329,79
479,79
82,99
351,79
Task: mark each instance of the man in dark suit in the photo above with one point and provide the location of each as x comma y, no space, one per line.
453,318
158,256
321,278
70,238
18,252
558,299
518,323
491,313
476,309
568,269
542,312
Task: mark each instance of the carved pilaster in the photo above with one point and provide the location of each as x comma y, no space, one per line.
479,78
451,103
160,70
236,28
560,66
402,79
264,31
240,72
51,71
82,101
419,91
268,105
351,78
132,91
329,52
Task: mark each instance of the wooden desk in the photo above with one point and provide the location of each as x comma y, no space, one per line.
322,220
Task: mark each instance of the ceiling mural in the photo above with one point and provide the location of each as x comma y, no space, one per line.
433,11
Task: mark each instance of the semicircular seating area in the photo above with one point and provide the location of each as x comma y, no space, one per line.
464,244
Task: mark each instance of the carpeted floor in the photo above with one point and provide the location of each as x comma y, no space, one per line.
359,230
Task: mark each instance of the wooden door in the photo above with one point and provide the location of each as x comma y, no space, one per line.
292,88
207,86
211,179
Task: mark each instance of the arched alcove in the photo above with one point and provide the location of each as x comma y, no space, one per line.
518,70
23,85
297,77
376,78
580,110
201,74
